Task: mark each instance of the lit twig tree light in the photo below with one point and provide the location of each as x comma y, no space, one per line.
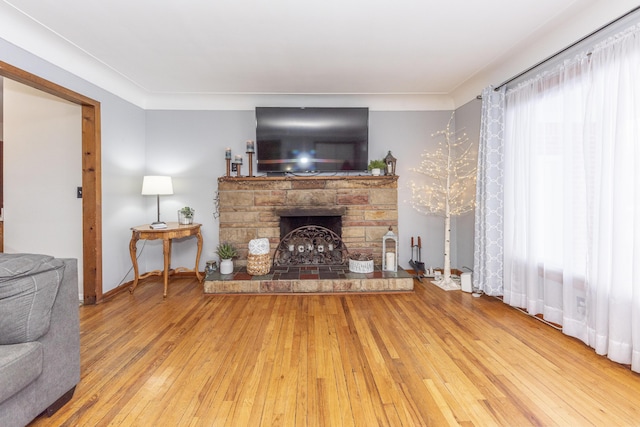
450,186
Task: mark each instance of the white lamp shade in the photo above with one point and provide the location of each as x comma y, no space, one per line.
157,185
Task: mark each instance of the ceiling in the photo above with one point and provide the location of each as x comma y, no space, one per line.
154,52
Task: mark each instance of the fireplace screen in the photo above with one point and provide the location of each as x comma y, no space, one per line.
311,245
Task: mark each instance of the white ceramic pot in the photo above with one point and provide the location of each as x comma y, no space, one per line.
226,266
357,266
183,219
375,172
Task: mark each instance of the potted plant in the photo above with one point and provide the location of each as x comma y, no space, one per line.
376,166
226,252
185,215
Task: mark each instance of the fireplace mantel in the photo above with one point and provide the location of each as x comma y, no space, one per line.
318,178
250,208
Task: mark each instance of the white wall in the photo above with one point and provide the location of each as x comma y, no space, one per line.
42,169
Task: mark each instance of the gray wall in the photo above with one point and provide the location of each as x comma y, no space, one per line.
468,120
408,134
123,161
189,145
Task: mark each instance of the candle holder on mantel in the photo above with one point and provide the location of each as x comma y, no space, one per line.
238,164
227,158
250,155
251,148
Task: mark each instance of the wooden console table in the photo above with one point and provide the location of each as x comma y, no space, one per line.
173,231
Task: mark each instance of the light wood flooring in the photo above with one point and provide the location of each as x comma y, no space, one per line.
430,357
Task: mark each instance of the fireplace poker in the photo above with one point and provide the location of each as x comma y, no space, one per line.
417,265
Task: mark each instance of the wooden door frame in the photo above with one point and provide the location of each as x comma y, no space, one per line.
91,176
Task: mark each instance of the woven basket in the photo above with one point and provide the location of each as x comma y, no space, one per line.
258,265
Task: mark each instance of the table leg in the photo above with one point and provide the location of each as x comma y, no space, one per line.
199,237
134,260
166,250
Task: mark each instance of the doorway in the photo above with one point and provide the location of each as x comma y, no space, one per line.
91,176
42,170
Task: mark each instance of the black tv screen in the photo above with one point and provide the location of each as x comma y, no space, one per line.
312,139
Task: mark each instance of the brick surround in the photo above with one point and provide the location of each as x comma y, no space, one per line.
249,208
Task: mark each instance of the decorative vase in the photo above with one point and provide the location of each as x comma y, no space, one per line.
360,263
375,171
184,219
226,266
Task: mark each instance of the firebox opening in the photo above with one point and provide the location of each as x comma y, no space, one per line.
327,217
288,224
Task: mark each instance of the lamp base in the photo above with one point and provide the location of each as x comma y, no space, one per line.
158,225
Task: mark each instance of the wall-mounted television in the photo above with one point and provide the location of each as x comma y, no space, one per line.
311,139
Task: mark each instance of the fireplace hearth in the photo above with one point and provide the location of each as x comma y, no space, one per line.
307,280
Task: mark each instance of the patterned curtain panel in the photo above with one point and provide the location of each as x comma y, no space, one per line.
488,247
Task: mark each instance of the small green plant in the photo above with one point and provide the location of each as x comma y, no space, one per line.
187,212
377,164
226,251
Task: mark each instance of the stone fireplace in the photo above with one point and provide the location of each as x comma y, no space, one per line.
253,208
334,216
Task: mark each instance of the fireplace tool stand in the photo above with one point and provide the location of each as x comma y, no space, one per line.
417,265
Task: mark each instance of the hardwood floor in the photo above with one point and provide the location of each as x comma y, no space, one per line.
429,357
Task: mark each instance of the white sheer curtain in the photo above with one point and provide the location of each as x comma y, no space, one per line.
572,197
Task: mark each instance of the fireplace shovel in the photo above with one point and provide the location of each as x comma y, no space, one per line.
418,266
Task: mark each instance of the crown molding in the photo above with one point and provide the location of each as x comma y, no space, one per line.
248,101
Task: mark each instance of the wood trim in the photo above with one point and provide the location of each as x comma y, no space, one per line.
26,78
92,203
91,175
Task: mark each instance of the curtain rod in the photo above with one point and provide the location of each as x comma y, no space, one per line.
591,34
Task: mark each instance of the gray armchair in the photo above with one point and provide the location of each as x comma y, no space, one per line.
39,336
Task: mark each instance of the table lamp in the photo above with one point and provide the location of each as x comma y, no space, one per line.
156,186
